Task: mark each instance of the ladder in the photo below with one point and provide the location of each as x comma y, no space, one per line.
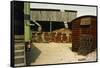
19,51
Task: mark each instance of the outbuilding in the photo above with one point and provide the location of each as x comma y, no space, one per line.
84,34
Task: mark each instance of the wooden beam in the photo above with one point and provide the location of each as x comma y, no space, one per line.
27,21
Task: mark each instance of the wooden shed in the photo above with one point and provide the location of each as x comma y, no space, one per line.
84,34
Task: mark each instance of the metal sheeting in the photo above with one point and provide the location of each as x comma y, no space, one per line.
52,15
71,16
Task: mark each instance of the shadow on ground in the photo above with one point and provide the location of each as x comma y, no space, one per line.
32,55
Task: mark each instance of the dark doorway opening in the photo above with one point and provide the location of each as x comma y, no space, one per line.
18,18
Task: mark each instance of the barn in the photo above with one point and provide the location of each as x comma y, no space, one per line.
51,22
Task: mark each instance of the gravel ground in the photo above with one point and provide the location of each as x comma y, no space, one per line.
53,53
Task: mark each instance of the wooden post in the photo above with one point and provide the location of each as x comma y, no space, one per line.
27,21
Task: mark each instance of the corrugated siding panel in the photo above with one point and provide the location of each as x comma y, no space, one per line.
71,16
66,16
52,15
58,15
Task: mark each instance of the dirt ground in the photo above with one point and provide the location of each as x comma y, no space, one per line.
53,53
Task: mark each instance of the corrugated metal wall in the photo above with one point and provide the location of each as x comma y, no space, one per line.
53,15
